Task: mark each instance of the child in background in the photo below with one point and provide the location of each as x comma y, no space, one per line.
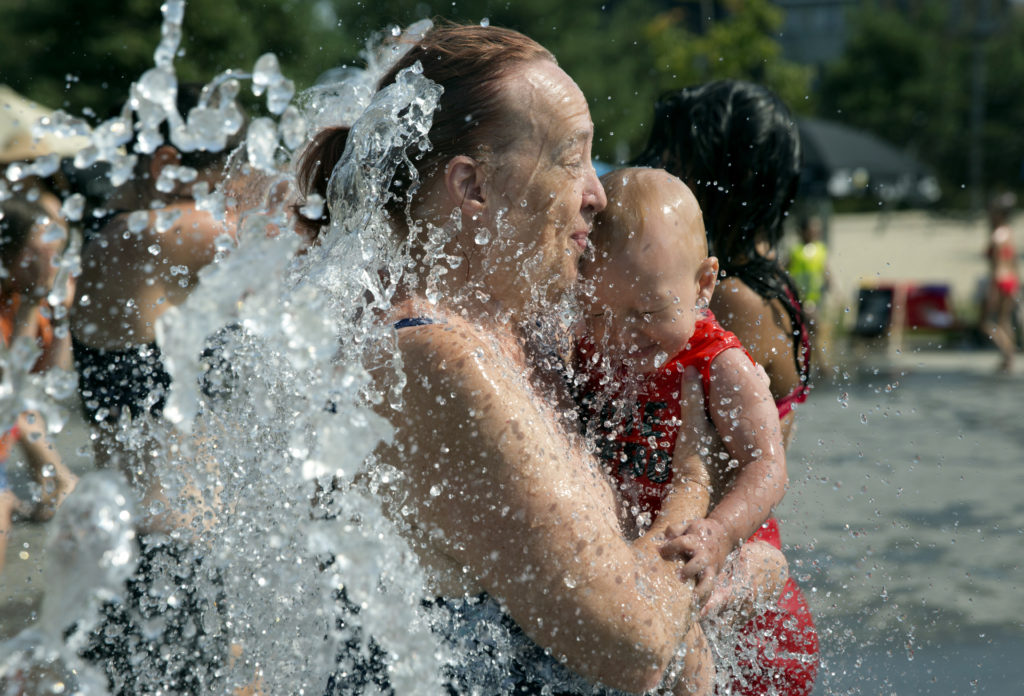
647,322
27,248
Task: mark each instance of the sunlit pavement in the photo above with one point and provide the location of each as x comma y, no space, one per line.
22,581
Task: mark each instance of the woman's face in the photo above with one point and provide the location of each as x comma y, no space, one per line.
544,191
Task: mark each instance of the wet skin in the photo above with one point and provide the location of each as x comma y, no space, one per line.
505,499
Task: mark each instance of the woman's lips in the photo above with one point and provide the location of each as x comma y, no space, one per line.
581,238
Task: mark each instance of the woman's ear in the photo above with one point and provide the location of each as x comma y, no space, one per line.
707,278
464,182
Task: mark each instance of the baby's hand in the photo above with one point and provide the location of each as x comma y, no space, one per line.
704,545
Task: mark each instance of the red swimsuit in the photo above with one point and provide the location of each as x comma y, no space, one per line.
643,450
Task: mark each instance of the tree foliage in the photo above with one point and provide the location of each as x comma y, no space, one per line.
741,46
84,56
617,50
907,76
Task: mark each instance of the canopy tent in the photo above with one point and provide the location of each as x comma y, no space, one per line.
843,161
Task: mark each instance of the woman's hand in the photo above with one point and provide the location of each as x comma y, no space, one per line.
752,579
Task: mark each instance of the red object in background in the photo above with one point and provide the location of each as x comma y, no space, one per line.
891,306
928,307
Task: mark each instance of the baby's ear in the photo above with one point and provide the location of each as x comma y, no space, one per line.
707,278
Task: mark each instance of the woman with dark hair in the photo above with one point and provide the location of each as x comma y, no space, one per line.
736,146
526,553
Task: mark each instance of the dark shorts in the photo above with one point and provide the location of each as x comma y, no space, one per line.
166,635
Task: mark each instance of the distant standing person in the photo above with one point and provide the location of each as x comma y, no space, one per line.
1004,285
736,145
808,266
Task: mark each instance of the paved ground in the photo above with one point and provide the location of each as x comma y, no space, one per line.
22,581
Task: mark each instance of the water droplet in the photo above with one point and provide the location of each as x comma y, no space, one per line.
73,207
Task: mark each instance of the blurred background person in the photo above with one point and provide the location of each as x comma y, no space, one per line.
808,267
30,239
1001,294
139,260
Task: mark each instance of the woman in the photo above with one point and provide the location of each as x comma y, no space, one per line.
515,520
736,146
1004,284
138,261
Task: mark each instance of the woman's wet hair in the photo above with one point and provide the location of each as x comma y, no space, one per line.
737,147
472,118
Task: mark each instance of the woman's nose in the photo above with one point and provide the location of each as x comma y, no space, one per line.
594,198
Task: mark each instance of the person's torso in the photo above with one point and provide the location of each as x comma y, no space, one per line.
636,435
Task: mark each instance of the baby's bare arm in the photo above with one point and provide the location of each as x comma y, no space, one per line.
745,416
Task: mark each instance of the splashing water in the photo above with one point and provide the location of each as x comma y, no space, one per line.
286,408
266,454
91,540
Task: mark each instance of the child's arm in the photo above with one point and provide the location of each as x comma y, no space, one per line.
744,412
690,495
745,416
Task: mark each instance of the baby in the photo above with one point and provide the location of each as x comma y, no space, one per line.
647,324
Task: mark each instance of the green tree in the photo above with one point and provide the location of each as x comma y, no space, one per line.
83,56
741,46
616,50
601,44
907,76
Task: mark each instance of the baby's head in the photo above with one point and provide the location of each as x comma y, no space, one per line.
651,271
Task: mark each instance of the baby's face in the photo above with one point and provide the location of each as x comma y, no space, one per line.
644,307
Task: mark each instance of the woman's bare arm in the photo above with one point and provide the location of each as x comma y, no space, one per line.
764,329
531,520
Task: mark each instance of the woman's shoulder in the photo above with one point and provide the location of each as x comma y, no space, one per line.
457,351
736,304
